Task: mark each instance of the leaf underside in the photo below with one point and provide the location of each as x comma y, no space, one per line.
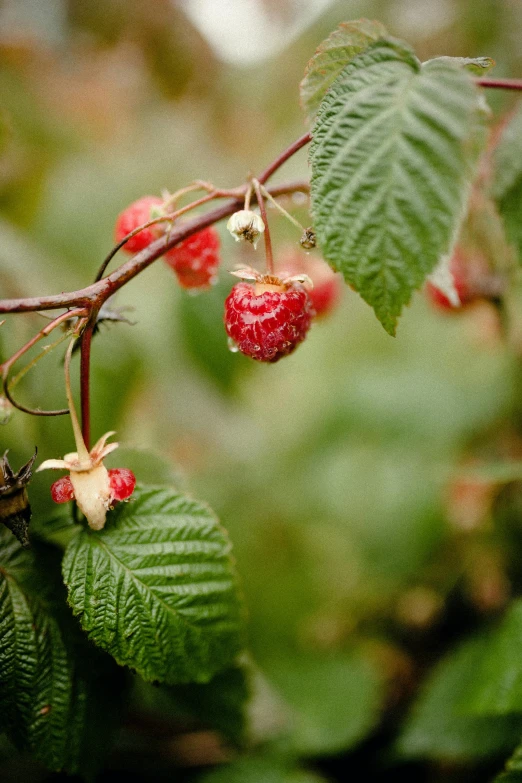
156,588
393,154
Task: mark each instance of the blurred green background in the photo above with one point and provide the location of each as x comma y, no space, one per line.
331,469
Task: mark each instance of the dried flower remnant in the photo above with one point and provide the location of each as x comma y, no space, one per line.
15,511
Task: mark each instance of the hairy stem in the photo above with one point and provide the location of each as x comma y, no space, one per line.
268,240
501,84
85,375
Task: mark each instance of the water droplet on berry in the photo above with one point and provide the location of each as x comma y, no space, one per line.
232,345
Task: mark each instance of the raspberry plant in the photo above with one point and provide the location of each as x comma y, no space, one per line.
131,582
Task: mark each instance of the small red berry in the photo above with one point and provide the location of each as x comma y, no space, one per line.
135,215
328,285
196,260
122,482
269,318
463,275
62,490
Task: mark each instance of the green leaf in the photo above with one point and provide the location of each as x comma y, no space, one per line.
513,773
331,56
393,154
507,183
218,704
478,66
58,699
338,706
258,769
157,588
35,672
495,687
440,728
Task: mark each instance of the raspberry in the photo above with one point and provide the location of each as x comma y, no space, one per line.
268,319
328,285
62,490
196,260
462,281
122,482
135,215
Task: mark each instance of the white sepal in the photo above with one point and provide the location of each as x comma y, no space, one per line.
442,278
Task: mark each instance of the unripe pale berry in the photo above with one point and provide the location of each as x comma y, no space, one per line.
136,214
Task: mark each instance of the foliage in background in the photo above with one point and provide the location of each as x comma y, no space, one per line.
374,563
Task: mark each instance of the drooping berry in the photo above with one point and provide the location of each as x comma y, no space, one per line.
122,482
62,490
196,260
328,285
136,214
268,319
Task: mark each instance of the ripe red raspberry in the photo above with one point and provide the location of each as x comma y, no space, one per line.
196,260
62,490
269,318
328,285
122,481
135,215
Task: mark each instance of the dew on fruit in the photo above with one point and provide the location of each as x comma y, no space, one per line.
232,345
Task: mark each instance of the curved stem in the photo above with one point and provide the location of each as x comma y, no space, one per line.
501,84
85,376
83,454
268,240
302,141
94,295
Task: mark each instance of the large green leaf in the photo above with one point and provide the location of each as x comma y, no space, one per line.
513,773
495,687
157,589
393,153
334,700
218,705
52,691
260,769
331,56
35,672
507,184
441,728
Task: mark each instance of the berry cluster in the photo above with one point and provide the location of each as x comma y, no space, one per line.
266,316
195,261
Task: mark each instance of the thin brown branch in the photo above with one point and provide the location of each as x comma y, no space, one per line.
6,366
284,156
92,296
501,84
